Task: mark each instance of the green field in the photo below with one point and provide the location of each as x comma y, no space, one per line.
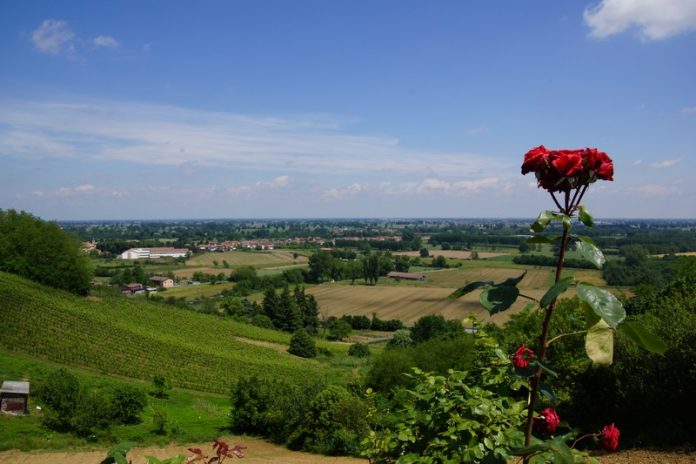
257,259
194,416
139,339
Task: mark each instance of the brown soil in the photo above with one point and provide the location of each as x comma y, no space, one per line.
257,452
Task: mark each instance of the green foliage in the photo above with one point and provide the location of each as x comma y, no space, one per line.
457,417
390,369
161,385
661,385
401,339
193,350
328,420
302,344
43,252
127,402
160,420
339,329
60,394
359,350
435,326
72,407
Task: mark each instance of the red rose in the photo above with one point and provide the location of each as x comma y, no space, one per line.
606,171
522,357
568,163
547,422
535,159
610,438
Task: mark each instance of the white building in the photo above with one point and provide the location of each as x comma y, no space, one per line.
152,253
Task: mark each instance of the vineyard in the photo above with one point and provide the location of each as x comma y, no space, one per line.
138,339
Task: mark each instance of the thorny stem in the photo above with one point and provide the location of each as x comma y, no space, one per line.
570,207
529,297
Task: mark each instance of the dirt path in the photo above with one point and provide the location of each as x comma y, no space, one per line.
257,452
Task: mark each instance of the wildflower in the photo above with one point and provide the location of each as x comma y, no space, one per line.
547,422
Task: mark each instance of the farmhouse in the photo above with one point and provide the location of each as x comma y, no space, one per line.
133,289
160,281
14,396
153,253
406,276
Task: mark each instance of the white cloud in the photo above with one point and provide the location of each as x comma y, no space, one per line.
689,110
147,47
53,37
478,184
433,184
277,183
666,163
637,162
655,19
337,193
84,188
476,130
164,135
652,190
105,41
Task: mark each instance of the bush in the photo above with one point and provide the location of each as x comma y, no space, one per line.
160,420
161,385
93,414
433,326
60,395
401,339
339,329
263,321
302,344
127,403
359,350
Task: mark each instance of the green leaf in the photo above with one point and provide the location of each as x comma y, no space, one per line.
120,459
541,239
121,448
591,318
642,337
561,452
603,303
546,390
585,239
512,281
497,299
544,367
531,449
152,460
591,253
543,221
558,288
599,344
468,288
585,216
565,220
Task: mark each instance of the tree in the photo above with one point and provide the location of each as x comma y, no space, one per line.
424,253
440,262
302,344
41,251
339,329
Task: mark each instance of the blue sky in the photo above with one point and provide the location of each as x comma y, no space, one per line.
115,110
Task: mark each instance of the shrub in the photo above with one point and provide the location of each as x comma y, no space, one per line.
401,339
302,344
339,329
433,326
60,394
93,413
161,385
263,321
359,350
160,420
127,404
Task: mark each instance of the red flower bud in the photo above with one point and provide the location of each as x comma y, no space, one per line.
522,357
610,438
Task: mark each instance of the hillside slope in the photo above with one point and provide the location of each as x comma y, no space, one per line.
139,339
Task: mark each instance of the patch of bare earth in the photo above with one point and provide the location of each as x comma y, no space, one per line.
257,452
455,254
648,457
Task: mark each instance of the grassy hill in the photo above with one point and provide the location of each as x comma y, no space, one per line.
115,335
